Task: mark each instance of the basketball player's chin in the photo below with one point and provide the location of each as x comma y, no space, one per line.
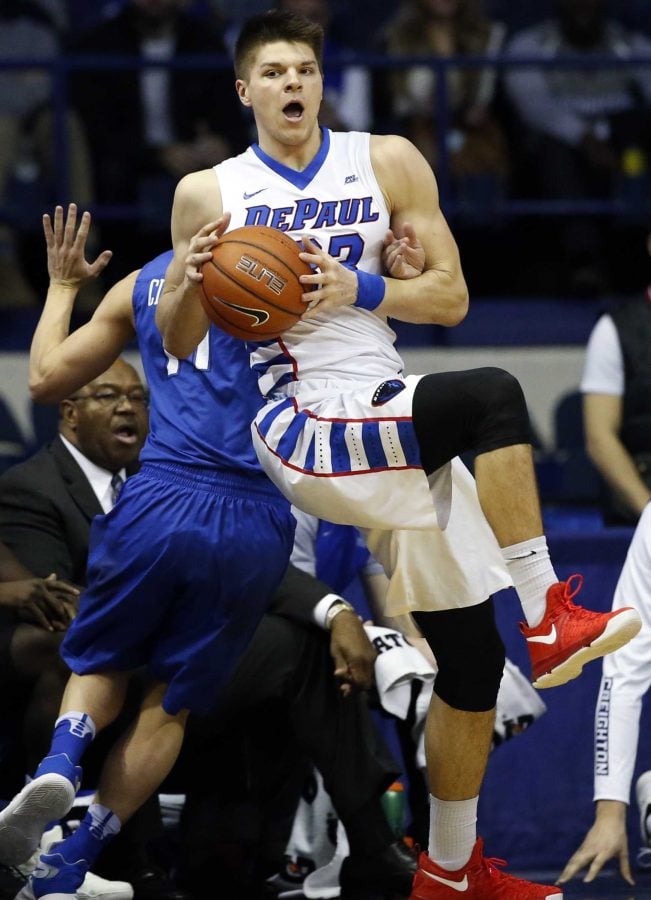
296,131
295,124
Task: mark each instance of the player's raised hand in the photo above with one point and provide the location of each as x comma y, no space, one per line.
403,255
66,249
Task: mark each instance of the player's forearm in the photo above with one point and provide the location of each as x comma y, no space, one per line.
181,320
616,736
436,297
52,330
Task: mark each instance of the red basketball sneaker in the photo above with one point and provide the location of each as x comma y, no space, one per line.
569,636
478,880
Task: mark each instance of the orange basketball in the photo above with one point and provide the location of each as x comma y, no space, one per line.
250,286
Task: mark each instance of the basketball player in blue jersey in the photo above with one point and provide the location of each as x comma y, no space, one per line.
179,573
349,439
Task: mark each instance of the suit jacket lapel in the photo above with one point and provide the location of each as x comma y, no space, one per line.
75,481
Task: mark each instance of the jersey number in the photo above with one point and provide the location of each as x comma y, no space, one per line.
200,359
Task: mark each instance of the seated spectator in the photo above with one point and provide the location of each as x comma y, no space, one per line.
474,141
616,387
77,476
583,130
153,125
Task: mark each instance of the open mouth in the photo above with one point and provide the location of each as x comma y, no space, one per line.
293,111
126,434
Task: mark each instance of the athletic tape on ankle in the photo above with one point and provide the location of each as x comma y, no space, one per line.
370,290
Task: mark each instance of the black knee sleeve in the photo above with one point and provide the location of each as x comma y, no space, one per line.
469,653
476,410
505,418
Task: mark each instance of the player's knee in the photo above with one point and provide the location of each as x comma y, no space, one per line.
474,687
500,389
505,418
469,653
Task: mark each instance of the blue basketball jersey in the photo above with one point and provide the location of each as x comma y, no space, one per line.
201,407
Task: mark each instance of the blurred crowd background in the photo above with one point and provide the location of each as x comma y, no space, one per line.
543,169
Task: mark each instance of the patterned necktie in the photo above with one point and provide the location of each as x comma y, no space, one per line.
117,483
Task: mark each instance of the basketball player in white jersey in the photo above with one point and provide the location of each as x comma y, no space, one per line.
348,438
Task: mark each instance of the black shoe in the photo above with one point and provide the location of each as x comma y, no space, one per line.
153,883
382,875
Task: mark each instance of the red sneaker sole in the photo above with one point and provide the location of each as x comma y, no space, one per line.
619,631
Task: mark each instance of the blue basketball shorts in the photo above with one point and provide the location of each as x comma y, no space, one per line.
180,573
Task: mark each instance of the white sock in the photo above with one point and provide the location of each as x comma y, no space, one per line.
102,822
532,572
81,724
452,831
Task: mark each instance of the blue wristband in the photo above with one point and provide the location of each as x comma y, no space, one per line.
370,290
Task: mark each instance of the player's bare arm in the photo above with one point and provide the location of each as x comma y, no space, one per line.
439,295
197,222
60,363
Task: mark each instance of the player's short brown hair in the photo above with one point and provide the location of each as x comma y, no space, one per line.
275,26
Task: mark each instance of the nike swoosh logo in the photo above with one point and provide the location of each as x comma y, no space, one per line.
544,638
455,885
260,315
252,194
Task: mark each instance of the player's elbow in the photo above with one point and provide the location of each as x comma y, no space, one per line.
173,345
181,343
455,309
40,390
459,306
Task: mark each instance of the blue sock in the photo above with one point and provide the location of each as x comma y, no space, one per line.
73,732
62,870
97,828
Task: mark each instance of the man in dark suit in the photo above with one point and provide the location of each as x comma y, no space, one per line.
47,502
46,507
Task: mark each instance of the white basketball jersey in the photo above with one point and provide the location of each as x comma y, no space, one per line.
336,202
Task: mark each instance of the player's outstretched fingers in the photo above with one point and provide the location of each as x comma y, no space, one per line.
576,862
